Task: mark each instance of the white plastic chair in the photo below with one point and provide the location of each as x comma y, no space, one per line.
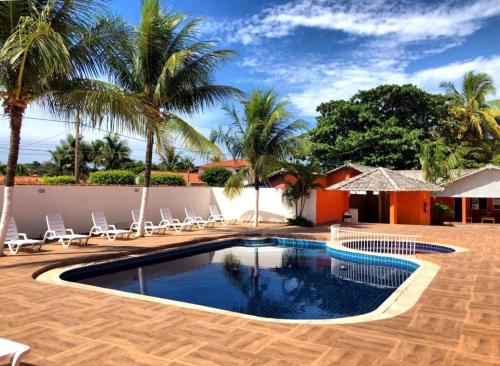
12,351
57,230
217,216
149,227
168,221
16,240
198,220
101,227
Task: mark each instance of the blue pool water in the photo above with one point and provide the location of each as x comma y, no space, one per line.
273,277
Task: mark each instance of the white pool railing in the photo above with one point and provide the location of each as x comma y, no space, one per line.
396,244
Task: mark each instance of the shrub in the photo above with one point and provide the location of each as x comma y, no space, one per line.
299,221
441,212
216,176
109,177
61,179
164,179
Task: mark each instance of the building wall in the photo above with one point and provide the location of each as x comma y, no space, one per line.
484,184
414,208
341,175
75,204
331,205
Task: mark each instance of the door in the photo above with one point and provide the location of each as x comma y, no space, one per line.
458,209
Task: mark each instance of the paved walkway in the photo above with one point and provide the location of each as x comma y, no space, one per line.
455,322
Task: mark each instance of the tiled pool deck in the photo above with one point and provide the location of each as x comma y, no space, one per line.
455,322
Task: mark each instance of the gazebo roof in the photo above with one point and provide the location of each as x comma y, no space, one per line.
385,180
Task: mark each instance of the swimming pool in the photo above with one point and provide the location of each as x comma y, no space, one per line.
275,278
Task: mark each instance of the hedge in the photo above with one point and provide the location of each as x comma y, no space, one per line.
61,179
216,176
163,179
110,177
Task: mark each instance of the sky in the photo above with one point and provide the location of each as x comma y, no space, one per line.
313,51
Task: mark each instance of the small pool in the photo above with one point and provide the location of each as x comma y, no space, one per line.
276,278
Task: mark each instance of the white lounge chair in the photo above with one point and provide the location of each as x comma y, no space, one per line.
217,216
57,230
16,240
168,221
149,227
13,351
102,228
197,220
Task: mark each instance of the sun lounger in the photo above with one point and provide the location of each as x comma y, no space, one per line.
57,230
12,351
168,221
16,240
102,228
217,216
197,220
149,227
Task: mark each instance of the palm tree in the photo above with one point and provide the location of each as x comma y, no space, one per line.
63,156
227,139
170,70
264,135
439,162
113,152
186,164
169,158
47,49
470,106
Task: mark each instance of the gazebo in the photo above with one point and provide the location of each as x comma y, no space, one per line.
409,198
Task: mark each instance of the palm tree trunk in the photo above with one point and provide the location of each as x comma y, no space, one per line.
256,215
16,120
147,180
77,148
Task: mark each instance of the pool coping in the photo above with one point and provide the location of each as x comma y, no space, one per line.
400,301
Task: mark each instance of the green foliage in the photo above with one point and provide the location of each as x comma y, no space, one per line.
3,168
111,152
164,179
216,176
299,189
299,221
379,127
439,162
264,134
111,177
496,160
440,213
61,179
63,156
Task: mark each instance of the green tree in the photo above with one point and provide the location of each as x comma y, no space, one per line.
63,156
216,176
298,190
47,49
379,127
265,134
169,158
470,106
170,70
227,139
113,152
186,164
439,162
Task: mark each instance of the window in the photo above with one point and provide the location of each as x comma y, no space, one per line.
496,203
479,203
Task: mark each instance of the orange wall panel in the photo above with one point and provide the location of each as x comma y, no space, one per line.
341,175
331,205
413,208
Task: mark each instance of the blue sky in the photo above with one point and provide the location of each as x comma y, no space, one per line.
312,51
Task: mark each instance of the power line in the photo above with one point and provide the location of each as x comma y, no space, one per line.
109,131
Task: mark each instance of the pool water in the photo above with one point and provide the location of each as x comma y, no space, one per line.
272,278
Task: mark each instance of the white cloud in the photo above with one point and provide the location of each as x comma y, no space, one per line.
347,80
406,20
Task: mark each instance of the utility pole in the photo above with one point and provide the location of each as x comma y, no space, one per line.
77,147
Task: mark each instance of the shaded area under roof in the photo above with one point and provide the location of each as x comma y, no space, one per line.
385,180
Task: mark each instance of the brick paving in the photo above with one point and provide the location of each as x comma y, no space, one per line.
455,322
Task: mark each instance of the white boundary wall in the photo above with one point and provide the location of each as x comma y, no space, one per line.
75,204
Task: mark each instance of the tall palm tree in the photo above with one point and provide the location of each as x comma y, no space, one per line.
63,156
47,50
439,162
113,152
169,158
471,107
171,71
264,135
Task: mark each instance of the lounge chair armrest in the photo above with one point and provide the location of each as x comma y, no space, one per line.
148,223
113,227
176,221
24,236
70,231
